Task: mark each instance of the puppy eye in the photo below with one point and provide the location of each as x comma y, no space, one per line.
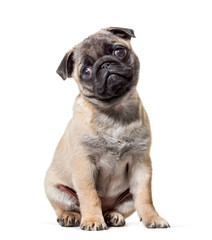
120,52
87,72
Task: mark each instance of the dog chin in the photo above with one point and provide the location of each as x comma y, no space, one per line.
116,86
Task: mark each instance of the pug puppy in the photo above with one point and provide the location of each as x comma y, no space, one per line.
101,171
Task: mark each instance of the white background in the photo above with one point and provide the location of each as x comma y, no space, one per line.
174,44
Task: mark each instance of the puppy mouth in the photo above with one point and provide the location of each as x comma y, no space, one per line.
116,84
112,80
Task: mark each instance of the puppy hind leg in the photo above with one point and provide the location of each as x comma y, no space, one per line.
65,205
116,217
69,219
67,216
126,208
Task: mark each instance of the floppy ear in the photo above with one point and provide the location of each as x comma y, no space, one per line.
66,66
124,33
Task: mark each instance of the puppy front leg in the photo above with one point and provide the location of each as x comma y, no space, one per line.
90,204
142,193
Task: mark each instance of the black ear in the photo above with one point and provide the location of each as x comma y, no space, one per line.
122,32
66,66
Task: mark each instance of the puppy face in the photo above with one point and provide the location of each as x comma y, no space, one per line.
104,64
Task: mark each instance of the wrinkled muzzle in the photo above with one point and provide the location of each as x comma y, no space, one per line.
112,78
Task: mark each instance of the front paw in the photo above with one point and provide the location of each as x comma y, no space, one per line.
93,224
156,222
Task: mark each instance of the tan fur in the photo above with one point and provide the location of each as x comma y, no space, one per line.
88,159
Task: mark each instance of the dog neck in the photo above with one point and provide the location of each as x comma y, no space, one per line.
123,110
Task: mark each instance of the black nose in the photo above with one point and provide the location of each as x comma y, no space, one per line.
105,65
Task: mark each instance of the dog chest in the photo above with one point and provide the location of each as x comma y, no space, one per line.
116,143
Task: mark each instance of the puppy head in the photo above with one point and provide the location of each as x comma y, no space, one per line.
104,64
